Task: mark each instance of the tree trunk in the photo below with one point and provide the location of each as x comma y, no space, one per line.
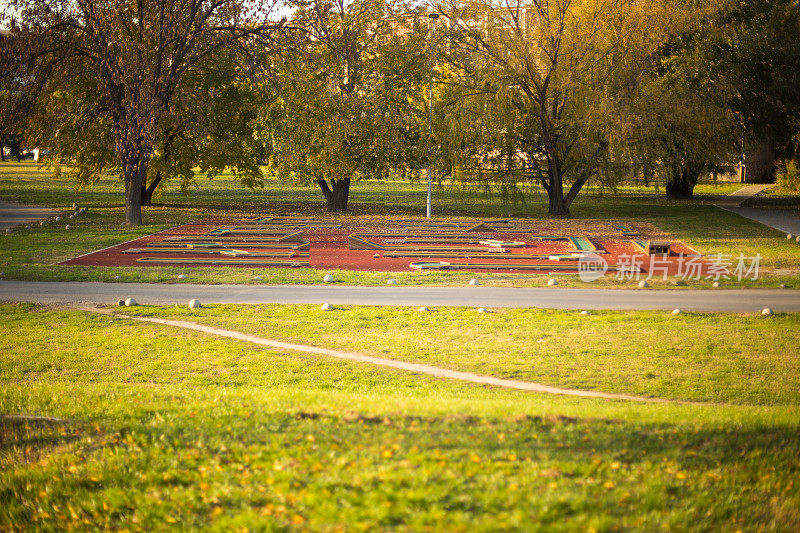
147,191
134,173
555,191
337,195
681,181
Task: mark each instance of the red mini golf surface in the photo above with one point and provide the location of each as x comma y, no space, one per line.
391,245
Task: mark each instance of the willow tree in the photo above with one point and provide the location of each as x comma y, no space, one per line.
532,86
114,68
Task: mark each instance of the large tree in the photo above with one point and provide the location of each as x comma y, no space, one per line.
728,82
349,96
115,68
532,86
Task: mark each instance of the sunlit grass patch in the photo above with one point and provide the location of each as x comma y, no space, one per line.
168,428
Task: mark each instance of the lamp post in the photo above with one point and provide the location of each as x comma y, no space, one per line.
432,17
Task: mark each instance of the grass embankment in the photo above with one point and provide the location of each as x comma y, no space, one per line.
168,428
31,254
748,359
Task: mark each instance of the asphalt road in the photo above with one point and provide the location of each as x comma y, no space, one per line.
17,214
737,301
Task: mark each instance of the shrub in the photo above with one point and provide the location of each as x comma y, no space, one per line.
788,175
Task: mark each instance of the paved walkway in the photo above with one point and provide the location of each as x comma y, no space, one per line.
709,300
783,220
16,214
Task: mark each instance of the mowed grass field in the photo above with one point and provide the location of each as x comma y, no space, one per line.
161,428
32,253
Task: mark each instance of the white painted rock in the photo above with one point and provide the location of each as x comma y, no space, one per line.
789,236
120,303
585,313
326,307
798,238
194,303
116,277
67,227
257,278
8,230
74,205
181,276
766,311
27,227
58,219
715,284
422,309
328,278
473,282
482,310
676,311
643,284
552,282
783,285
130,302
376,256
391,281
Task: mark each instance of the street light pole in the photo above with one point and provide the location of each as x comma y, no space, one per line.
432,17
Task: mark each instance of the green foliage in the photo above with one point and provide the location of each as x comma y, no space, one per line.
533,89
347,96
789,175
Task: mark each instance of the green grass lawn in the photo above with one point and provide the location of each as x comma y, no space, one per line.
31,254
749,359
165,428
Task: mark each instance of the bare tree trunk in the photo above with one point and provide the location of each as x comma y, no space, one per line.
148,190
134,173
555,192
682,180
337,195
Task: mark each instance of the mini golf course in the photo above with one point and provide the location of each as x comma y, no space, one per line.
398,245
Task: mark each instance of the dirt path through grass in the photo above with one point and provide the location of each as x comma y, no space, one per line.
400,365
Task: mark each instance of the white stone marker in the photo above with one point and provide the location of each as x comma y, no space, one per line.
181,276
328,278
643,284
474,282
482,310
130,302
391,281
326,307
552,282
422,309
676,311
194,303
766,311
